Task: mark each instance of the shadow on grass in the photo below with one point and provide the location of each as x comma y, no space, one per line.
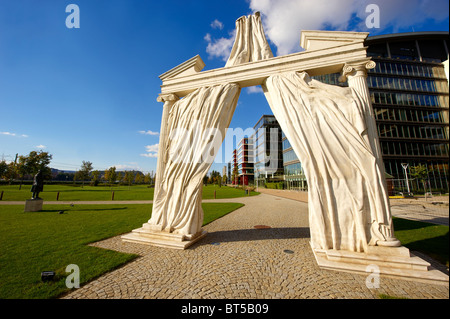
68,210
407,224
436,247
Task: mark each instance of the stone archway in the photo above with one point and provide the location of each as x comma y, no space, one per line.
352,224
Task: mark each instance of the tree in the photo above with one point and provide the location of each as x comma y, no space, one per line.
234,175
215,177
120,177
147,179
28,165
421,173
36,161
10,172
85,171
112,175
106,175
95,177
22,169
139,177
129,176
3,168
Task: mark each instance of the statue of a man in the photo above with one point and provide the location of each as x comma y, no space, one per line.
38,185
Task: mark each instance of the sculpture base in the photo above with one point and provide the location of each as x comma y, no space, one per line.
147,235
394,262
33,205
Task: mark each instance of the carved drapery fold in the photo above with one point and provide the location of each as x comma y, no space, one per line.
194,125
327,127
250,44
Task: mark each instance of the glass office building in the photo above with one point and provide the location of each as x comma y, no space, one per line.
268,150
294,177
410,98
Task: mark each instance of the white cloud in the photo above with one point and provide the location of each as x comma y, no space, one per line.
41,146
8,133
207,37
152,151
254,89
220,48
149,132
216,24
128,167
283,20
13,134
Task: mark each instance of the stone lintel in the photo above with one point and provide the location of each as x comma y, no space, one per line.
319,40
191,66
315,62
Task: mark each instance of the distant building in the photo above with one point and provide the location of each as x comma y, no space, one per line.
224,171
294,177
267,150
245,161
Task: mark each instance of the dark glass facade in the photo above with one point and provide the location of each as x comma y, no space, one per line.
267,149
410,98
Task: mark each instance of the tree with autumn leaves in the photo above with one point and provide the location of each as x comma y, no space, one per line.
26,166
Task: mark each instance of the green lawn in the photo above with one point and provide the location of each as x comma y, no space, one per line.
40,241
37,241
104,193
427,238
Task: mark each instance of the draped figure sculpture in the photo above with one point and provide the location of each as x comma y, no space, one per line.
250,43
177,202
327,128
330,130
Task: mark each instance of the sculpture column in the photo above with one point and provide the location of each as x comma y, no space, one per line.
356,75
169,100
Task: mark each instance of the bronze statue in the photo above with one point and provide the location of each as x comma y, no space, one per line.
38,185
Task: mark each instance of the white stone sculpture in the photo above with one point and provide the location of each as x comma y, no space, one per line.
332,131
326,126
250,43
186,156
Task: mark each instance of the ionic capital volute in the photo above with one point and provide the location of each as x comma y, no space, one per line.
354,69
167,97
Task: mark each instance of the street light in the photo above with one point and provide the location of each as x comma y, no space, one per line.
405,166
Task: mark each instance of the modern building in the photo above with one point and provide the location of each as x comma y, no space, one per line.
410,98
268,150
294,177
245,161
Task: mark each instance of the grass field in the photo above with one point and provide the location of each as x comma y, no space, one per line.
37,241
104,193
48,241
431,239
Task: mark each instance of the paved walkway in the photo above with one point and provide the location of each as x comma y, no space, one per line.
236,260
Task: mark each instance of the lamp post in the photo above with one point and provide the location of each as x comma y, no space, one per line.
405,166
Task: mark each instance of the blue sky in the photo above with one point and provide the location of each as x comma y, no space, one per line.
89,93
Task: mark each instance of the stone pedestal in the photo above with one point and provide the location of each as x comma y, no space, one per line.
155,237
33,205
395,262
